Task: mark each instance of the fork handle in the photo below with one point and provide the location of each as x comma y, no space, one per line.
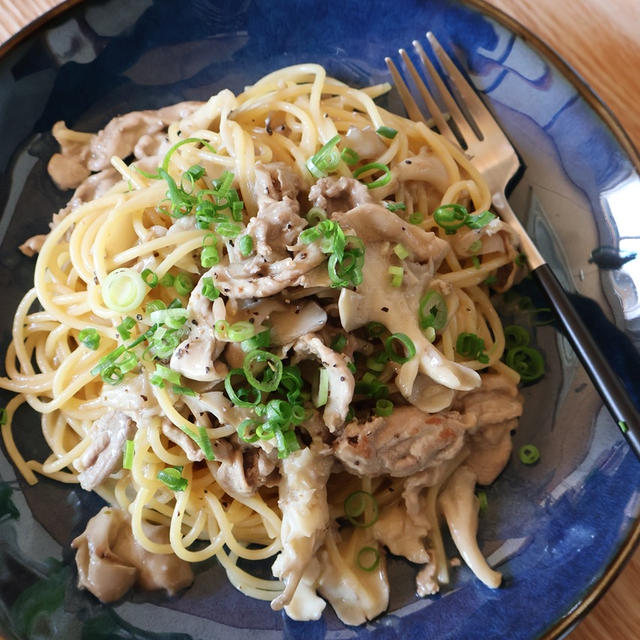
605,380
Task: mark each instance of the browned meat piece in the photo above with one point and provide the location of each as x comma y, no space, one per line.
104,454
375,223
341,381
276,181
277,224
243,470
179,437
495,407
339,194
496,400
110,561
401,444
260,279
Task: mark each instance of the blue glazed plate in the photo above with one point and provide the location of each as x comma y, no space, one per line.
558,530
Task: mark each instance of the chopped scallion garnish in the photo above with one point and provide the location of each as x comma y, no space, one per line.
90,338
172,478
209,290
149,278
374,166
127,457
368,559
123,290
361,503
529,454
405,343
387,132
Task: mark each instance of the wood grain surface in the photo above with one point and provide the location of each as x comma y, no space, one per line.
600,40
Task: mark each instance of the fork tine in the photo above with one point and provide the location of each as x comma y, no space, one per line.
413,111
457,116
482,116
433,108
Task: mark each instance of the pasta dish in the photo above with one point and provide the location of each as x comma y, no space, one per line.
262,330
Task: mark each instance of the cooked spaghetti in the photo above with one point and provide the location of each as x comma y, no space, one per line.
256,332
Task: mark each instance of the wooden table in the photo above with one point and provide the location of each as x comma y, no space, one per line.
600,39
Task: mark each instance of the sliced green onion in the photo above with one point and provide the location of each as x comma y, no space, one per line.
124,328
201,439
475,261
475,246
325,160
183,284
469,345
229,229
258,341
107,360
349,156
245,245
163,373
490,279
515,336
527,361
380,182
450,217
176,303
520,260
149,278
375,329
339,342
127,457
378,362
123,290
368,559
247,430
395,206
416,217
90,338
154,305
111,374
482,501
621,423
387,132
221,327
183,391
172,478
209,256
401,251
4,416
239,331
167,157
316,215
241,398
286,442
479,221
192,175
209,290
272,372
361,503
321,394
396,273
126,362
432,311
384,407
529,454
400,339
205,443
173,318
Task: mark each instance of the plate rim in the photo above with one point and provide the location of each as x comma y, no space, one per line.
589,599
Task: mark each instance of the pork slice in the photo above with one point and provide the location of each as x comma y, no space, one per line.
104,455
243,470
401,444
339,194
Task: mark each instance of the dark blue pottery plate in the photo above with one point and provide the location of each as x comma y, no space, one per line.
558,530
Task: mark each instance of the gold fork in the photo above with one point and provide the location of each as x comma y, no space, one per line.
484,142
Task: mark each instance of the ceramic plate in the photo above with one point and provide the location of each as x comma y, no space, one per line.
557,530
